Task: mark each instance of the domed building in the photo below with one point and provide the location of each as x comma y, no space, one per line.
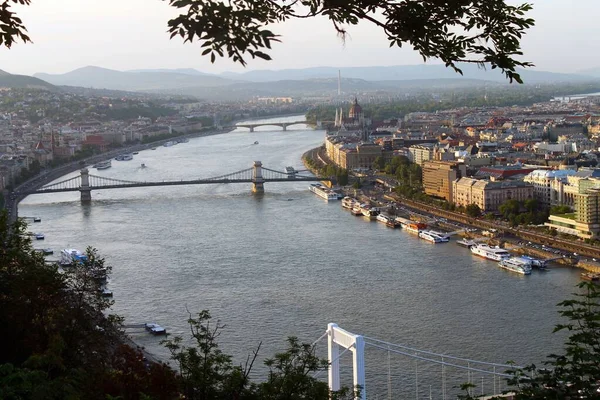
355,119
355,111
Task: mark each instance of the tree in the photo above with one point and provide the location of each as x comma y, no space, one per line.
509,208
473,210
576,373
484,32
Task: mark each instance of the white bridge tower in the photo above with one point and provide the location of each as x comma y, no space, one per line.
337,337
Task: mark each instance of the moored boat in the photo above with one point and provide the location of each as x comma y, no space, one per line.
323,192
348,202
590,276
466,243
430,237
71,256
356,210
155,329
169,143
369,212
104,164
124,157
491,253
413,227
515,264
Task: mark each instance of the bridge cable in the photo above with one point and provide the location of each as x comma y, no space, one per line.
337,358
439,362
442,355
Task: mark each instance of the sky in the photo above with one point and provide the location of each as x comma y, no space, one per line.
132,34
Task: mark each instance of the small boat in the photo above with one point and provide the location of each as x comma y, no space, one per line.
466,243
143,165
136,153
589,276
124,157
104,165
72,256
104,292
169,143
155,329
183,140
154,148
255,142
37,219
39,236
47,251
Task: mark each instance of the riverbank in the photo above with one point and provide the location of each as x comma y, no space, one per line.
573,247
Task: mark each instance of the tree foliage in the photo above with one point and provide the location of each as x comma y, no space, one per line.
11,26
473,31
473,210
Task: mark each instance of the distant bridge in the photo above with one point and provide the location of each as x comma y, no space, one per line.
282,125
257,175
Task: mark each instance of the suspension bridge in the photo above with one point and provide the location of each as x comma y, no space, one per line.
426,374
257,175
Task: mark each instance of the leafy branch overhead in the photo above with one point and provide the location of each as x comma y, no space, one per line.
11,26
484,32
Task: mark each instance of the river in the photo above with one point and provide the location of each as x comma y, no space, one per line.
288,263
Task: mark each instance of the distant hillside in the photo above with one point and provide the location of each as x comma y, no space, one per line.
402,72
23,81
102,78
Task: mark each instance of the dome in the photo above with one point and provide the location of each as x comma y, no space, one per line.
355,110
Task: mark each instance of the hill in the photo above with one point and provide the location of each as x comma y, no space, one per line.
402,72
102,78
23,81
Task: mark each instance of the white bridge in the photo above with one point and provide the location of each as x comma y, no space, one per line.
478,373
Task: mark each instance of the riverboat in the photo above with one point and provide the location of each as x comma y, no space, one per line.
104,164
466,243
430,237
369,212
515,264
348,202
71,256
535,262
124,157
413,227
323,192
590,276
356,210
491,253
441,235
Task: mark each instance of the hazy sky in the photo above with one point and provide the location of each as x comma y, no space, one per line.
131,34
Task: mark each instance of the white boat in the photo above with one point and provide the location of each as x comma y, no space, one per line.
535,262
466,243
491,253
71,256
169,144
39,236
104,164
349,202
441,235
356,209
516,264
124,157
383,218
369,212
183,140
155,329
323,192
430,237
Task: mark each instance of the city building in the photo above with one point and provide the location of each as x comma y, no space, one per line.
439,176
548,185
585,221
489,195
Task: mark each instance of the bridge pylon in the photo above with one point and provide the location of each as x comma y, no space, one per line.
86,192
258,181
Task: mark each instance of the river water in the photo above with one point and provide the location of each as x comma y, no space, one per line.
288,263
